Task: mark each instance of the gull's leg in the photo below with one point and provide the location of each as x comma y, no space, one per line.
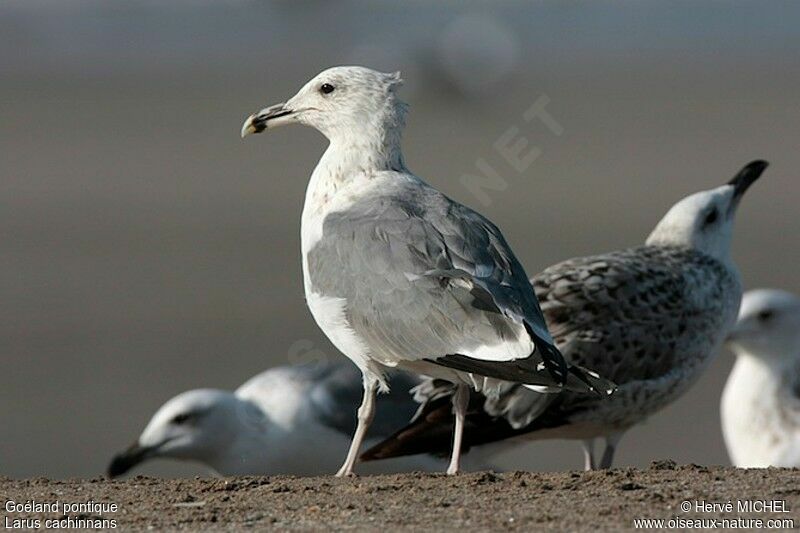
611,445
588,455
460,401
365,414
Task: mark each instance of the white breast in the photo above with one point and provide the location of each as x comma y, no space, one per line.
329,193
751,421
329,313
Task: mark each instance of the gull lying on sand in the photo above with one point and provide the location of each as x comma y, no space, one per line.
288,420
650,318
398,275
761,400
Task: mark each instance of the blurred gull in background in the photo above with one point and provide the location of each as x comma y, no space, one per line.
389,56
650,318
761,401
288,420
477,54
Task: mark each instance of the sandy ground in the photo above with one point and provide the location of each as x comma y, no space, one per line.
577,501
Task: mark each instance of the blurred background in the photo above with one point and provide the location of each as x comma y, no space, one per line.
146,249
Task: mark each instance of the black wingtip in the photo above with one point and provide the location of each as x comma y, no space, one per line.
585,380
552,358
573,377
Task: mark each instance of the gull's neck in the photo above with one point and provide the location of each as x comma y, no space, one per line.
373,147
356,159
261,422
751,411
771,372
248,453
348,164
765,368
287,443
358,151
784,359
662,237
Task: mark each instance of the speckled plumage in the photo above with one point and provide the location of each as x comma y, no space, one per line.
649,318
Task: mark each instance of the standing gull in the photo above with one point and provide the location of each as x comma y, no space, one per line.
398,275
275,423
650,318
761,400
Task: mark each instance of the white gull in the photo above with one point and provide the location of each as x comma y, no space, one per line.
398,275
287,420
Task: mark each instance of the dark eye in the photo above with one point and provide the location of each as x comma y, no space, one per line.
711,217
181,419
765,316
326,88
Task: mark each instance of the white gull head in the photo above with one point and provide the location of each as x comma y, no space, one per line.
354,107
198,425
704,220
768,326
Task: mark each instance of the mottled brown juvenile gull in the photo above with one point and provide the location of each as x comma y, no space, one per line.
761,400
293,420
397,274
650,318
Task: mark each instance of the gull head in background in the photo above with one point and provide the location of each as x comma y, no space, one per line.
704,220
768,326
197,425
294,419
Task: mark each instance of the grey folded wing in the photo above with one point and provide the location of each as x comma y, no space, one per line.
429,279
